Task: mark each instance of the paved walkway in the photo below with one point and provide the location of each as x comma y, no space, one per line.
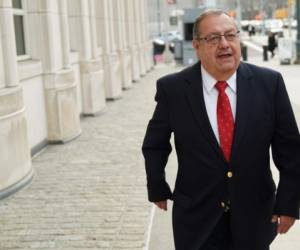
90,193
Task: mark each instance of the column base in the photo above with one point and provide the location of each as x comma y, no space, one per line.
26,180
15,168
112,72
92,85
135,70
125,69
149,56
62,107
142,60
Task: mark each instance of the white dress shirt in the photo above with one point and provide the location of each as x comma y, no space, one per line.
211,97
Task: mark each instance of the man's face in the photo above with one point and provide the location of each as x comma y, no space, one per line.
219,57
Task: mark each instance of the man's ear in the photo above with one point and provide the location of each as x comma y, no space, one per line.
195,44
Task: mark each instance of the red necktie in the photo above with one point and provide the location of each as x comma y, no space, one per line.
225,120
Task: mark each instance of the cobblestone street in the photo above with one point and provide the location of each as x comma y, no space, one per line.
89,193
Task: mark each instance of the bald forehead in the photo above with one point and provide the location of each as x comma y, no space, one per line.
212,15
212,21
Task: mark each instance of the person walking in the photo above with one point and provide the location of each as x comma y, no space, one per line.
272,44
251,30
224,115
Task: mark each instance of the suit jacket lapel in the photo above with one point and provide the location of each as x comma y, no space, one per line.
245,97
194,93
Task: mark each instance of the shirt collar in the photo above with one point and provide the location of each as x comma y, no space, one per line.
209,81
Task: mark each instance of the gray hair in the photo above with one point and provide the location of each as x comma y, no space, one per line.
206,13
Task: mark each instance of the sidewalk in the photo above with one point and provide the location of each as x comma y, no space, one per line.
90,193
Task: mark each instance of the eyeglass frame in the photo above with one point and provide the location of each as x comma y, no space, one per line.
219,36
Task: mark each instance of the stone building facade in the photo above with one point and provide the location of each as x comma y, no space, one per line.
61,60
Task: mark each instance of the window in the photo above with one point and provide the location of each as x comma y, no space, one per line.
17,4
19,15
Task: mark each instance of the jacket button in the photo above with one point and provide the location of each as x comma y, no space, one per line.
229,174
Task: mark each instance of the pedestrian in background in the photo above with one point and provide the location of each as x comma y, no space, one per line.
224,115
272,44
251,30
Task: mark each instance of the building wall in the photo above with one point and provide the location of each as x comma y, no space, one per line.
70,64
160,9
34,102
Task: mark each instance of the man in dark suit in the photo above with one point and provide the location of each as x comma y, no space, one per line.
225,115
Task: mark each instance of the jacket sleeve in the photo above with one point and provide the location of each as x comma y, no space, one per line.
156,148
286,154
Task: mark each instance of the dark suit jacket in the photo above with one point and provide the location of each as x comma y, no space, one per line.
264,118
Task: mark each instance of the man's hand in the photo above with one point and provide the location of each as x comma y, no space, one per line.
162,205
284,223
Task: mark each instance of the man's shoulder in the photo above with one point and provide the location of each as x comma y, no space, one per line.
256,70
263,78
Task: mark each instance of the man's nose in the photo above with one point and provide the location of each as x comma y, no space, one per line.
223,42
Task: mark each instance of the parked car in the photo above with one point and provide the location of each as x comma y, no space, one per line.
244,25
159,46
294,24
257,24
273,25
167,37
286,23
172,35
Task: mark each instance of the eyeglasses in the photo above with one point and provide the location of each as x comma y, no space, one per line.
215,39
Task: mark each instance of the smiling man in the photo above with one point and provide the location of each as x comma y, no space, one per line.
225,116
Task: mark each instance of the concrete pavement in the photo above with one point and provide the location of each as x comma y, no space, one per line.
90,193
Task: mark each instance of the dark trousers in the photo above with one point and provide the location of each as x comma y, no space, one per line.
221,236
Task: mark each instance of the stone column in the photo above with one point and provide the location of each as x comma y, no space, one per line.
95,52
135,72
91,66
122,50
49,18
139,30
112,69
2,79
8,44
148,45
15,160
65,36
127,37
